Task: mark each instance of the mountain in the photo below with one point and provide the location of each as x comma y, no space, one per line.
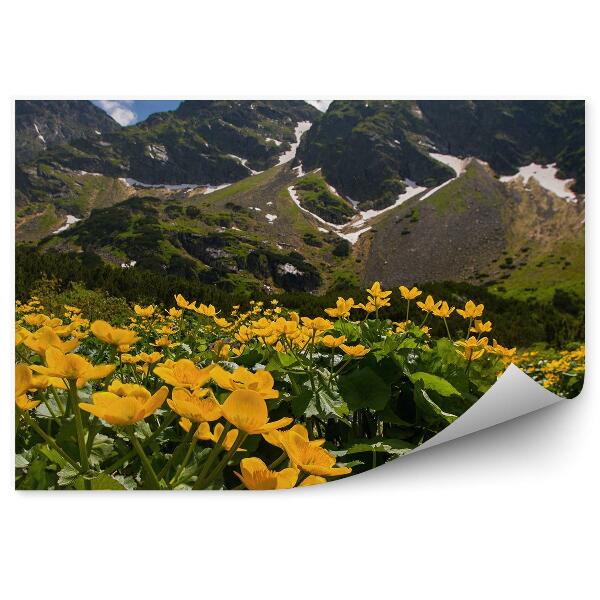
370,150
516,238
42,124
273,195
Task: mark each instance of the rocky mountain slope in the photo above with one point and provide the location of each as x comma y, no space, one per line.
248,195
43,124
370,150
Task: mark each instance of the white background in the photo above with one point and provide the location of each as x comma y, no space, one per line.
507,513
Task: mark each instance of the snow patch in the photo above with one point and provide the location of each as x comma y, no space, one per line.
288,269
270,217
299,171
276,142
294,196
129,181
39,134
458,165
323,229
353,236
412,189
299,131
244,162
321,105
70,221
158,152
128,265
545,175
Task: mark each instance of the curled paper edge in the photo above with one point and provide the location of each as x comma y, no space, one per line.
513,395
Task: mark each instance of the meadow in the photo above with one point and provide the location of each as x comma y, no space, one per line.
254,397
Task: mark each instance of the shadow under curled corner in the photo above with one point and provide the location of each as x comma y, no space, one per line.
513,395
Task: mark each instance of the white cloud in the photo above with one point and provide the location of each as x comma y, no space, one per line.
119,110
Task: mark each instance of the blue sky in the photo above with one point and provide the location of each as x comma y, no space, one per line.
128,112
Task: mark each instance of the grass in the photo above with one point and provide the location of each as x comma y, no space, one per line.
315,196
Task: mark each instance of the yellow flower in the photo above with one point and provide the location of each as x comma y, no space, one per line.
125,409
45,337
25,381
443,310
247,410
480,327
204,433
199,406
376,291
173,312
221,349
244,334
184,373
129,359
164,342
355,351
287,328
410,294
279,438
207,311
72,309
312,480
183,303
401,326
255,475
112,335
238,351
429,305
38,320
72,367
312,459
342,308
333,342
222,323
369,307
471,310
317,325
149,358
21,334
242,379
472,348
148,311
496,348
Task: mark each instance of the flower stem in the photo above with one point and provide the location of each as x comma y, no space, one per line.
145,462
83,456
50,440
241,438
211,457
188,455
447,329
120,461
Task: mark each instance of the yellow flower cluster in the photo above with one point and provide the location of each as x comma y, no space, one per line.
562,372
194,364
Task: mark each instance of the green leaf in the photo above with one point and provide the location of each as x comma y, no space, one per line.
52,455
21,462
431,406
67,475
106,482
434,383
389,446
280,362
364,388
102,448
